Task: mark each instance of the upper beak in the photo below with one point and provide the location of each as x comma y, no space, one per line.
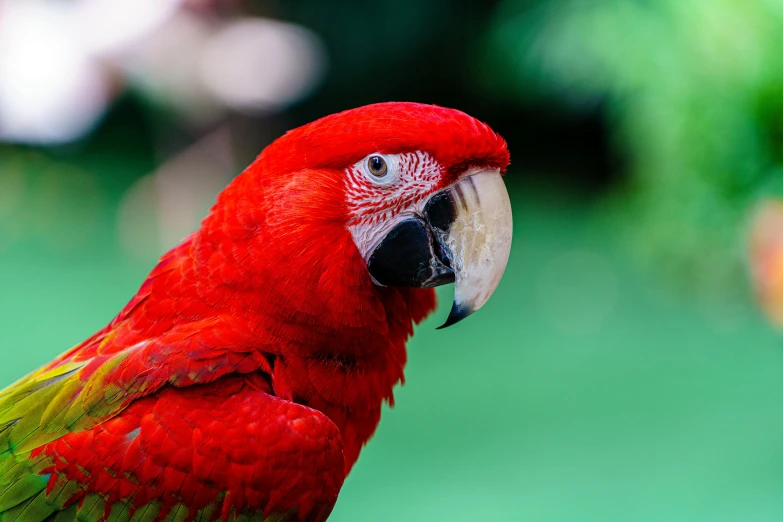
462,235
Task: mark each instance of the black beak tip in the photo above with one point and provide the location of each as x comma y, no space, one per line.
457,314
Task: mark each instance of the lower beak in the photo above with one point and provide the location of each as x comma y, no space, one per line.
463,235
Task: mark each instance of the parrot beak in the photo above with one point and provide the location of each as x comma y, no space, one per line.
462,235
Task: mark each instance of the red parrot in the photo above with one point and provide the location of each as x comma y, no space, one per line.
244,377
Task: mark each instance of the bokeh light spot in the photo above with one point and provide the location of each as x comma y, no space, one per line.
262,64
50,91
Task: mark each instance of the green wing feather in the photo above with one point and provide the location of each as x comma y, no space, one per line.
35,411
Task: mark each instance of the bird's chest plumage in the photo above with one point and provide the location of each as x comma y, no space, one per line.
349,389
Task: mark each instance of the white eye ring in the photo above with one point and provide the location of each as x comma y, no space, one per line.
380,169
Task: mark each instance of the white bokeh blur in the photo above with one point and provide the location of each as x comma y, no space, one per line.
51,90
62,63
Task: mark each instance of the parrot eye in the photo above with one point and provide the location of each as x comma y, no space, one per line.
377,166
380,170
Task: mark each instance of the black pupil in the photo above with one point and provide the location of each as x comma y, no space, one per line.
376,165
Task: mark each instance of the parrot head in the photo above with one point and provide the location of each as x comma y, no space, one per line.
416,188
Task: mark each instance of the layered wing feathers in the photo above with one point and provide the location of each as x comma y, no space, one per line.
89,386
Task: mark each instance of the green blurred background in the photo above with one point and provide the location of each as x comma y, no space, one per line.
624,370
